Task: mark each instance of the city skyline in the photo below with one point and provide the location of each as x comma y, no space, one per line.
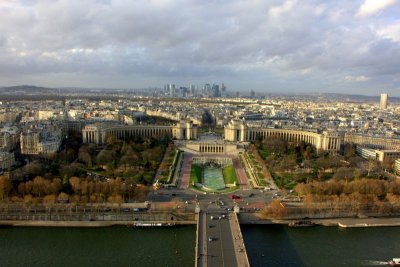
265,46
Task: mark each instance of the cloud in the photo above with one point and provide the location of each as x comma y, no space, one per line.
391,31
279,10
372,7
360,78
259,44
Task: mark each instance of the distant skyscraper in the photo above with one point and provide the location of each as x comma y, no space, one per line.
171,90
384,101
215,91
223,90
207,89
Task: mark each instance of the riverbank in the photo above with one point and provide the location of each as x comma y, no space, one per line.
94,224
350,222
244,218
254,218
359,222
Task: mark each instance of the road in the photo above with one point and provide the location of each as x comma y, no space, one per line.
216,247
250,200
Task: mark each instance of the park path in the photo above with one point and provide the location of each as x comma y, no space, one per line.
158,175
185,173
241,175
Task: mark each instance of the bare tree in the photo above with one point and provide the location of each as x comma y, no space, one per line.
5,187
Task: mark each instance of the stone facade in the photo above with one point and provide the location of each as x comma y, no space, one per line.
43,142
237,130
99,132
7,159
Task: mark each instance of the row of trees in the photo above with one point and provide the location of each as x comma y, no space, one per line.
375,187
325,206
77,189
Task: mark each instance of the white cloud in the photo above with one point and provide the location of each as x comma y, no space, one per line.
277,11
391,32
360,78
371,7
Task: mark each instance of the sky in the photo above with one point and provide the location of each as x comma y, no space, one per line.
291,46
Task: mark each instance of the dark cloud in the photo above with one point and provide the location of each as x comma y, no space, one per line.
263,45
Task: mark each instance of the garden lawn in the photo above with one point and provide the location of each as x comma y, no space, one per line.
230,175
195,174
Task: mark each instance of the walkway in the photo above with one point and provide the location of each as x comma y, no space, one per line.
240,173
158,175
185,171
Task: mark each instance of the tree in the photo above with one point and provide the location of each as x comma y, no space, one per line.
371,166
307,153
105,157
33,168
5,187
344,173
49,199
275,145
56,186
84,156
387,164
349,151
277,209
21,189
38,187
75,184
129,158
63,197
70,154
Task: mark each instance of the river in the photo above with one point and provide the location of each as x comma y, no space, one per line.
276,245
267,245
112,246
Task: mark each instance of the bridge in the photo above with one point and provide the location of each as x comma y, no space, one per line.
219,240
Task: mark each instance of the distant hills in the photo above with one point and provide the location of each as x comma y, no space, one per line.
29,91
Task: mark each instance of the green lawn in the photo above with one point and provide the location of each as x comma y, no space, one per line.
230,175
195,174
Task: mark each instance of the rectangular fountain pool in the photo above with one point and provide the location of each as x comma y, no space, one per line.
213,178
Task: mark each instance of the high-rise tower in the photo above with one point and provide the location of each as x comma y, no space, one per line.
384,101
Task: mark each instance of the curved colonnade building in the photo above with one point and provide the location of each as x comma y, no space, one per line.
373,141
99,132
235,131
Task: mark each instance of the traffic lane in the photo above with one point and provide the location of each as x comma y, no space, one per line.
214,251
221,250
228,244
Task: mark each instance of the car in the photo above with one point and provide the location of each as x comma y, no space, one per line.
234,196
210,239
251,194
174,195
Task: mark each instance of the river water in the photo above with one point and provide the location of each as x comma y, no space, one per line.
267,245
276,245
112,246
